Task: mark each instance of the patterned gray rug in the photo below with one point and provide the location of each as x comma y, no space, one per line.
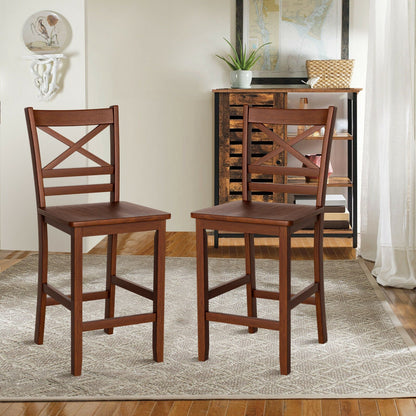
365,356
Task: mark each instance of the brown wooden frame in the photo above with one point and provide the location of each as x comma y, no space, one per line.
109,218
269,218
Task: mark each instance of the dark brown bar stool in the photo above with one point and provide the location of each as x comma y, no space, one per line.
250,217
92,219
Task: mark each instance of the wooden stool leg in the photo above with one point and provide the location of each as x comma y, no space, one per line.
111,272
319,279
250,270
42,279
159,291
284,300
76,303
202,291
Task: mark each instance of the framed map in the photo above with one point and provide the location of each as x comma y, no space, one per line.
297,29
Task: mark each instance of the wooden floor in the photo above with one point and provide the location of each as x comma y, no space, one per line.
403,303
183,245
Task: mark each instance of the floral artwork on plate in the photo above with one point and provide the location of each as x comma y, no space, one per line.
45,32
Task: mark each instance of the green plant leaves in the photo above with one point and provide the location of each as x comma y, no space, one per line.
239,60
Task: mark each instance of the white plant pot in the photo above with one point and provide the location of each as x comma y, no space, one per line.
241,79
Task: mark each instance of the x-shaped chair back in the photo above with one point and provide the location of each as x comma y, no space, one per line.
46,120
261,118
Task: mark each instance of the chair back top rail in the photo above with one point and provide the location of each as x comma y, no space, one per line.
61,118
294,117
266,120
45,120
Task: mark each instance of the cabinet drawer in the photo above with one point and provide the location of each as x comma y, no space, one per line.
237,136
236,175
252,99
256,149
237,124
255,197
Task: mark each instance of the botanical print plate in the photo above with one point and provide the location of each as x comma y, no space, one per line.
46,32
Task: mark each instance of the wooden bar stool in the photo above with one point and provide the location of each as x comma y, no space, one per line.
91,219
251,217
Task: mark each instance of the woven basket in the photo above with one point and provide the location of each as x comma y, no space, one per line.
334,73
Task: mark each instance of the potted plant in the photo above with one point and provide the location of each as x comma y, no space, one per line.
241,63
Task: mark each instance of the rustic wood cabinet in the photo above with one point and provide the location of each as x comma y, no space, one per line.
228,143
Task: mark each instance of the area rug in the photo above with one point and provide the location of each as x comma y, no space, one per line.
365,356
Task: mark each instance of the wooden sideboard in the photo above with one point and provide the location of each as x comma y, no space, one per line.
228,147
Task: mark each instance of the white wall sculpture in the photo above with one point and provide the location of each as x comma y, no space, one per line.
45,69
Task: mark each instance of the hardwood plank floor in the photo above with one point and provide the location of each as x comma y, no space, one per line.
403,303
183,245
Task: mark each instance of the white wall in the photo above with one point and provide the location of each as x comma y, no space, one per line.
18,226
157,61
159,65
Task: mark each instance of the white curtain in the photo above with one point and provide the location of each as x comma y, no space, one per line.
388,209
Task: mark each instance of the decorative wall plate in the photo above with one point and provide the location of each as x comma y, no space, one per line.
46,32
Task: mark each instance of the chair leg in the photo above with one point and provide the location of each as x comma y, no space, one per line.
319,279
42,279
251,286
202,291
159,291
76,303
284,300
111,271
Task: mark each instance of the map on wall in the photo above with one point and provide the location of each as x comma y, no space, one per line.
298,29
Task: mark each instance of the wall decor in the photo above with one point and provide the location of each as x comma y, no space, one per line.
45,70
298,30
46,34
